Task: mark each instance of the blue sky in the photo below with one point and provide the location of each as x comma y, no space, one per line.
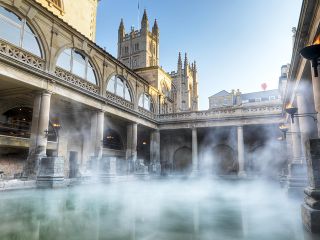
238,44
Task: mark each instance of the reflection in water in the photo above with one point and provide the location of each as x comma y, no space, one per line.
203,209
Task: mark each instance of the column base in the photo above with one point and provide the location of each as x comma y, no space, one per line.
310,210
51,173
242,174
31,167
297,180
155,168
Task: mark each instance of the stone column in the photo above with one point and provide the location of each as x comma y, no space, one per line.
296,179
99,138
155,152
310,210
38,138
241,160
316,95
131,151
195,160
296,141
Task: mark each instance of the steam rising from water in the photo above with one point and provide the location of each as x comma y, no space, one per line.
189,209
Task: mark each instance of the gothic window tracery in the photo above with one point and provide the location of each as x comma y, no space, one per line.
78,64
17,31
119,87
145,101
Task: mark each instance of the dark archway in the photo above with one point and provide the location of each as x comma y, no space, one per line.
17,122
112,140
182,160
224,160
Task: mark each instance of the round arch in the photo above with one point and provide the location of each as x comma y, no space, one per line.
113,87
112,140
182,160
30,28
78,62
147,102
224,160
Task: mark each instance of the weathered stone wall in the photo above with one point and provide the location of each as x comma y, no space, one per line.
12,161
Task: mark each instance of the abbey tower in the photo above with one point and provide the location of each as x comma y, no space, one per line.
139,50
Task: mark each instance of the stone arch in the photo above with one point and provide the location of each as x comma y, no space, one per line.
130,89
84,54
36,29
112,139
224,160
182,160
149,96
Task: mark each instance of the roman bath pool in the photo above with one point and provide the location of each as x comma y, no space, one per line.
162,209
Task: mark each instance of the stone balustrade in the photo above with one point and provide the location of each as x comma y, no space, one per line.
146,113
110,97
221,113
75,80
21,55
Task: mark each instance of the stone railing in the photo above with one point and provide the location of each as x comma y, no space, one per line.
75,80
21,55
119,101
146,113
229,112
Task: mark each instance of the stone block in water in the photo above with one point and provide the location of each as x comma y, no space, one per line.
51,172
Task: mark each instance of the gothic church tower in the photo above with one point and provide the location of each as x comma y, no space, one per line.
139,48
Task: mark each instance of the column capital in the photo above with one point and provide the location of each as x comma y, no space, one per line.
42,92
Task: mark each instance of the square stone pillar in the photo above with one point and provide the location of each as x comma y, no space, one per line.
316,94
39,130
195,159
311,207
99,138
241,160
131,150
155,167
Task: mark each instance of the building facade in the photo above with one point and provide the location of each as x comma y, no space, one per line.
64,97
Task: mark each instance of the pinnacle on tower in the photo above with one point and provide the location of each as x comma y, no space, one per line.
185,61
145,21
179,59
121,31
155,28
195,66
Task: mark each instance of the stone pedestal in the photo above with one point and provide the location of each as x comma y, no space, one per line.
297,179
310,210
155,168
51,172
140,168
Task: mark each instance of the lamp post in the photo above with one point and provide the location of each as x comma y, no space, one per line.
292,111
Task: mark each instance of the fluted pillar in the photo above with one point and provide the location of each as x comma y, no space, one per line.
241,160
131,150
39,131
195,160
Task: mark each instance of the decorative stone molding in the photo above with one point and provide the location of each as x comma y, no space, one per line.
222,113
21,55
146,113
119,100
75,80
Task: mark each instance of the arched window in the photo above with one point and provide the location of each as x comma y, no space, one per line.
17,31
145,101
119,87
78,64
